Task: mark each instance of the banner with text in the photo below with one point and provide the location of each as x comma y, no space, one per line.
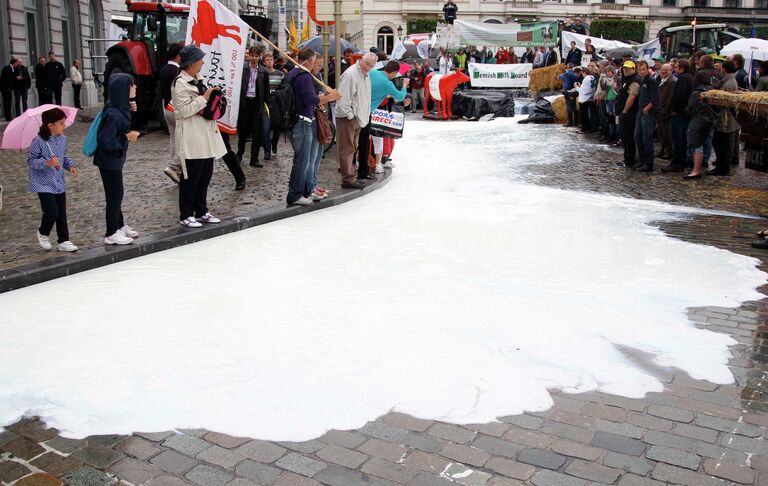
646,51
499,75
223,36
531,34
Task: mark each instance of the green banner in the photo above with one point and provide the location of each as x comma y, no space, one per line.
531,34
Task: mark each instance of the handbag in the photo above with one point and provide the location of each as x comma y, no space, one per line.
611,96
324,130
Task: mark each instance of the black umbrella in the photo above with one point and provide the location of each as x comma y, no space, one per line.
620,52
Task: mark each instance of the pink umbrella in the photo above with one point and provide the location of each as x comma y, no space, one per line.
22,130
404,68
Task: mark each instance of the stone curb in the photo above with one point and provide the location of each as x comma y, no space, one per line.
61,266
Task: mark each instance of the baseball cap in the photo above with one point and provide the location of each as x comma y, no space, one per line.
629,64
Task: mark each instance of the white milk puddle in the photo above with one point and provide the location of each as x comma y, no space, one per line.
453,294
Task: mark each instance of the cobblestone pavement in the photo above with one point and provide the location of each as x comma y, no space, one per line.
151,199
693,433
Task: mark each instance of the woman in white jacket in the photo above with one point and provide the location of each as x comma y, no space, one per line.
198,140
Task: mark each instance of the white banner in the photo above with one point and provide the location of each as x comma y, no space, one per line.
398,50
223,36
448,36
646,51
649,50
499,75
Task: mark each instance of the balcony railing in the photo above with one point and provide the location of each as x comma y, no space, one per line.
729,12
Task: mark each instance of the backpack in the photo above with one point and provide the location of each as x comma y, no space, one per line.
282,108
216,106
91,142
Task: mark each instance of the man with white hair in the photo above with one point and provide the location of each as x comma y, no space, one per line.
353,112
664,118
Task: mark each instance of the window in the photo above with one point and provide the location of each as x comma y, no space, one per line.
177,28
732,4
669,3
701,3
608,1
385,39
579,1
635,2
35,44
66,33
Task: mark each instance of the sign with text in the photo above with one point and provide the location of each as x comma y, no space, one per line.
530,34
499,75
387,124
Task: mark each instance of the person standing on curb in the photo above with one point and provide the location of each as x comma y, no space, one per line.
353,112
42,93
275,79
21,85
254,94
7,76
666,91
648,104
165,79
77,82
626,106
55,74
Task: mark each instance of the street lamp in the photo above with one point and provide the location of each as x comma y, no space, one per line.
399,31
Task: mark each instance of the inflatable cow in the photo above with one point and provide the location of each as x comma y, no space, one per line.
440,88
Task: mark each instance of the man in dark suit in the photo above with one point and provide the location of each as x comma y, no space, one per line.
254,95
6,88
42,95
55,74
21,84
551,58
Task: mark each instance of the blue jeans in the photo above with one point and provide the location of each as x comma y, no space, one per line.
314,160
610,115
304,144
679,128
644,126
707,150
267,141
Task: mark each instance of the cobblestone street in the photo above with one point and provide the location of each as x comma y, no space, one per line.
693,433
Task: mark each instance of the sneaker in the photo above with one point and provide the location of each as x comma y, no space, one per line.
118,239
317,197
128,231
389,165
209,218
67,246
379,169
44,241
302,201
172,175
190,222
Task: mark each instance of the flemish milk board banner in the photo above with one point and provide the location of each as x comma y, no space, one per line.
532,34
223,36
499,75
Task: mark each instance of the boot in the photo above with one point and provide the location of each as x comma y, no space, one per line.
672,167
230,159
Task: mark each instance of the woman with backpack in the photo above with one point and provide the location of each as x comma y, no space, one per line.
198,140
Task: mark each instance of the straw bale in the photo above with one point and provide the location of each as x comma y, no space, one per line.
545,79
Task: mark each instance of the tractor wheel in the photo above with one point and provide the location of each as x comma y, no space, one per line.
117,63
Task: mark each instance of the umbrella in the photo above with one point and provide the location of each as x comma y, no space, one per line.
404,68
756,49
23,129
620,52
316,44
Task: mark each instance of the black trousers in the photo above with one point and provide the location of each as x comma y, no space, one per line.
113,193
193,191
585,112
363,147
627,128
76,93
7,104
56,91
724,145
20,95
54,212
249,125
42,96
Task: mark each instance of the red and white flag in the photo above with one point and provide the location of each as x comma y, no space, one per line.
223,36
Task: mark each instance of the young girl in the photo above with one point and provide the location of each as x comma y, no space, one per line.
47,160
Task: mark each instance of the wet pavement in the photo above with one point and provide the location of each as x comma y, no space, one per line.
693,433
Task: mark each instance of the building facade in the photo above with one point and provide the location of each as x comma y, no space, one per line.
382,18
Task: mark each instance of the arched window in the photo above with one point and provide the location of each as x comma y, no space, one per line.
385,39
492,21
96,21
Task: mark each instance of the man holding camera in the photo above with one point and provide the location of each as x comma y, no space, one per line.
254,94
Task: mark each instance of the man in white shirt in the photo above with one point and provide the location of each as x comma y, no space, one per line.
538,59
586,94
77,81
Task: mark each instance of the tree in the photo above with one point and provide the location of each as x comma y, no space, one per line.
618,29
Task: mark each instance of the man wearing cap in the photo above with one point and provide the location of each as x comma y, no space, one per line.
626,106
648,106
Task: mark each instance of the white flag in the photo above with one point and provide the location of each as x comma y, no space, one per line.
398,51
223,36
649,50
422,47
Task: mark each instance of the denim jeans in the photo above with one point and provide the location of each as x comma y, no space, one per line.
267,140
303,140
315,157
610,116
679,127
707,150
644,126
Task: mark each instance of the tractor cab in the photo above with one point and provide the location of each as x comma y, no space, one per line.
682,41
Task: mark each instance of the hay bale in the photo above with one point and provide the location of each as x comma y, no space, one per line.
545,79
558,106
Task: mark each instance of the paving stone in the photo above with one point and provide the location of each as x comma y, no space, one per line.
429,480
220,456
241,482
431,463
528,438
525,421
344,438
671,413
34,430
67,446
407,422
452,433
567,431
731,472
512,469
11,471
382,482
224,440
541,458
56,464
169,481
618,443
632,480
625,429
721,453
756,419
300,464
194,432
465,454
138,448
493,429
186,444
466,476
730,426
342,456
755,462
649,422
551,478
677,475
134,471
717,397
104,441
496,447
208,476
571,418
738,442
155,436
23,448
637,465
290,479
98,458
307,447
173,462
39,479
665,439
676,457
86,476
575,450
708,408
695,433
261,451
624,402
338,476
660,398
259,473
500,481
605,412
592,471
398,473
7,436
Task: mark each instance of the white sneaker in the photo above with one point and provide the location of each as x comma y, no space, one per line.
118,239
317,197
44,241
128,231
379,169
190,222
210,219
389,165
67,246
302,201
172,175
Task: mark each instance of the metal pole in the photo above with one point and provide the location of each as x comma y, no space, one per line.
337,26
326,48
